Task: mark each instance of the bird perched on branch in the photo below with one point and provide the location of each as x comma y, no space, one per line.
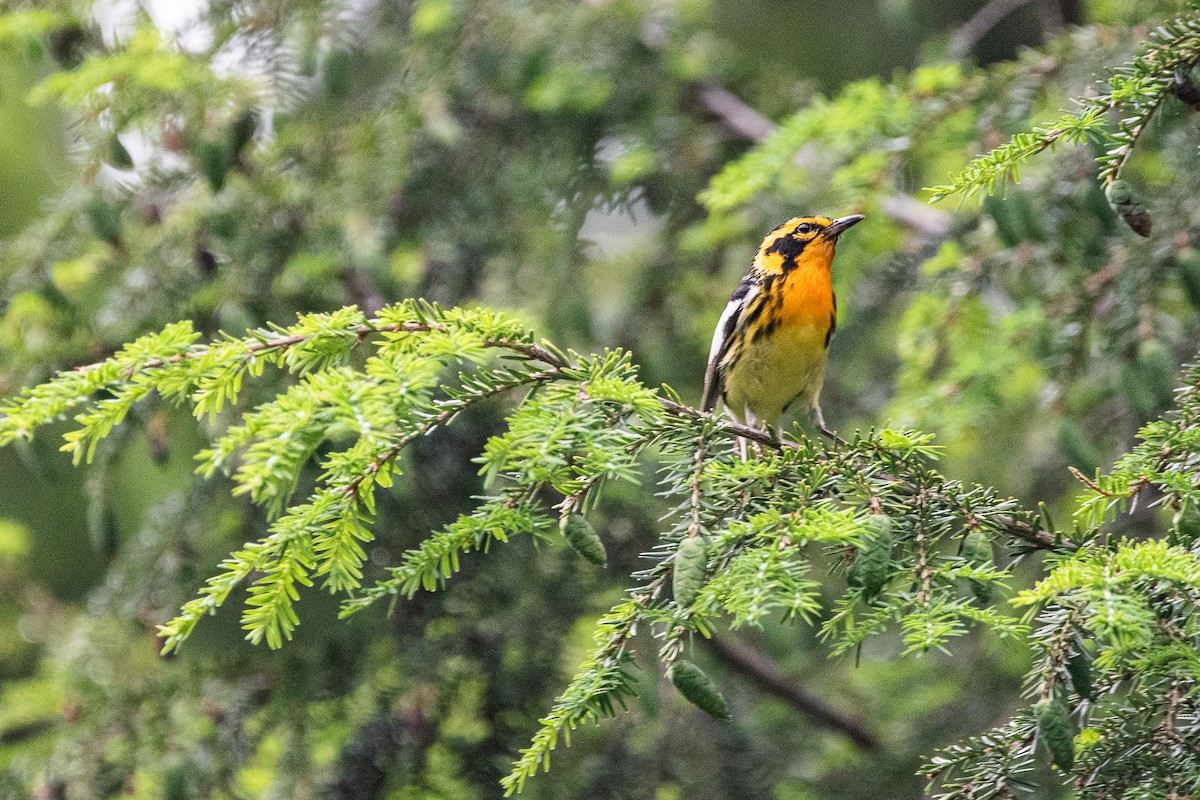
771,344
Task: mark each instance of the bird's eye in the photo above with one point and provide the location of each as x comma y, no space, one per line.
804,228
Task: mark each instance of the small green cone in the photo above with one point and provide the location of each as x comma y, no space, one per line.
698,689
1187,524
873,564
1129,207
583,538
1079,667
691,565
1057,731
977,550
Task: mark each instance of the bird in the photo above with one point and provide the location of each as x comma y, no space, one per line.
772,341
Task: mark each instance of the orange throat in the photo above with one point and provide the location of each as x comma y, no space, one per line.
808,297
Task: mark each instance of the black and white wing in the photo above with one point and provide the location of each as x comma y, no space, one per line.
722,336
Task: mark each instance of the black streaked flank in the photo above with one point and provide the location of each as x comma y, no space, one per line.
766,329
757,306
832,321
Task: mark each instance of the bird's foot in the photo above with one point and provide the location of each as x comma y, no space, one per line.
819,420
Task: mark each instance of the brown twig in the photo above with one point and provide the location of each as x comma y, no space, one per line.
761,670
1043,540
979,25
924,572
1057,654
697,470
1088,482
736,428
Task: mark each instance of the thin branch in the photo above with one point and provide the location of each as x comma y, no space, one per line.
1056,655
736,428
1088,482
697,497
450,411
373,326
738,117
278,343
979,25
1117,157
761,670
1043,540
924,572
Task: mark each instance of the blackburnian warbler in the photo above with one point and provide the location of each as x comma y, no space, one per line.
771,344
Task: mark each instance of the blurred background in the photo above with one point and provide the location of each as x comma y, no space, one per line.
603,169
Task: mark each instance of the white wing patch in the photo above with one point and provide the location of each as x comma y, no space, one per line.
726,326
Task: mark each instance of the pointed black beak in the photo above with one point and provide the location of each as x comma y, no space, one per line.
835,228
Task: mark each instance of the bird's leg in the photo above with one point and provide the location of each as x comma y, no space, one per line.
754,422
819,421
773,431
741,442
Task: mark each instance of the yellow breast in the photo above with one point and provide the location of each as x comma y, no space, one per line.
782,363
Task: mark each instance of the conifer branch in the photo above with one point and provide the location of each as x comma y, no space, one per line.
281,343
1007,524
1137,90
589,421
599,688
